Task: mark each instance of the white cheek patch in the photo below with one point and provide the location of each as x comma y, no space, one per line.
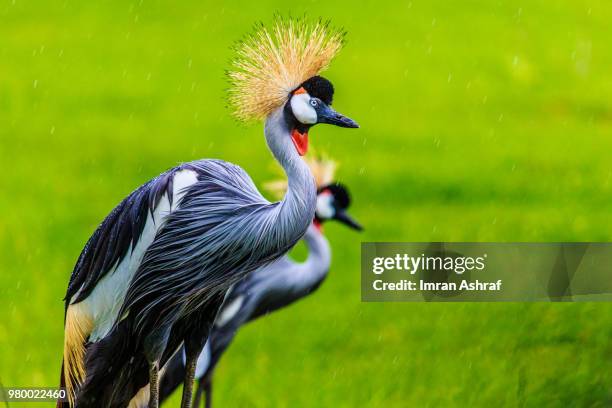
300,105
325,210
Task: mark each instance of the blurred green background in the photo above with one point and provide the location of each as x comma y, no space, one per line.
481,121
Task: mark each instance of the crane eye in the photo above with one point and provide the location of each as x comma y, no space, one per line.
313,103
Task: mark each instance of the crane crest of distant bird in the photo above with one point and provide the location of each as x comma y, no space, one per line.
323,169
272,62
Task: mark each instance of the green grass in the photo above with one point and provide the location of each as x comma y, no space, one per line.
485,121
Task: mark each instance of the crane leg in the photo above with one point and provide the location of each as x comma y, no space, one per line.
154,345
208,396
204,387
154,385
198,395
194,343
190,367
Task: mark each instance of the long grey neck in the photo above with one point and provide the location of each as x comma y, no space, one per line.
299,279
296,210
319,255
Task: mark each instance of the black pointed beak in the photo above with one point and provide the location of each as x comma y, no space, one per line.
327,115
347,220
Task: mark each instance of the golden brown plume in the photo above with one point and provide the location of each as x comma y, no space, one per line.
270,63
78,327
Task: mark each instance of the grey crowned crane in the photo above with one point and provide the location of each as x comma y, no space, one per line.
153,275
269,288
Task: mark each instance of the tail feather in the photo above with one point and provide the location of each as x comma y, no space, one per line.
78,327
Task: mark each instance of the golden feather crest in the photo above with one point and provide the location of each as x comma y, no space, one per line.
322,168
270,63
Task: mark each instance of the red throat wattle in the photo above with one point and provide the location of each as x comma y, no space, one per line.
318,225
300,140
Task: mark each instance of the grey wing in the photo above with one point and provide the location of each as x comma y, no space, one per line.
113,238
213,239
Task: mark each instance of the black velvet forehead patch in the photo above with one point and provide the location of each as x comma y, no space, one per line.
319,87
340,193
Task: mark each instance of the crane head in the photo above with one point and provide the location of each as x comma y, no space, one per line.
333,201
310,104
